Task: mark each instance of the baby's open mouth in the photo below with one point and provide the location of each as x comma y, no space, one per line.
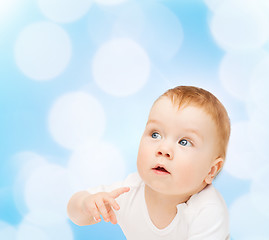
160,169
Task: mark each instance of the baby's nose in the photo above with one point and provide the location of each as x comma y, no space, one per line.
165,152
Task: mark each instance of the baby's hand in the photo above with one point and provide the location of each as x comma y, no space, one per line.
102,203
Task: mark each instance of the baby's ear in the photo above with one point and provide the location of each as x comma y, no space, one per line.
215,168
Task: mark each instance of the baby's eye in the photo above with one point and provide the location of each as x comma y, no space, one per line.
156,135
185,142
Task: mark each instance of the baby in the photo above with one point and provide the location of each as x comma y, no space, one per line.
182,150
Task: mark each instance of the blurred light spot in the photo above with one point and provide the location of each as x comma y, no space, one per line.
42,50
76,118
241,154
240,25
48,188
87,162
236,70
259,85
126,22
31,232
259,191
213,4
257,107
43,217
58,231
100,23
64,10
257,236
26,162
110,2
6,5
6,9
49,231
163,33
246,221
259,130
7,231
153,26
121,67
264,4
130,22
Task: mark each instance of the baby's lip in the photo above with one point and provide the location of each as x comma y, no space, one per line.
161,167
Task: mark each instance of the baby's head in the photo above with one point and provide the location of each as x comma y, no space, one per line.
184,144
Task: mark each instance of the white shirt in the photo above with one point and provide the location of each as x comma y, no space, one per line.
203,217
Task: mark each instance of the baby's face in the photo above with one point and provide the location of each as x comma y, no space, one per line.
177,149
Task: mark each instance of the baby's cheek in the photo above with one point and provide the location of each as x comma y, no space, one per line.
141,159
144,151
186,176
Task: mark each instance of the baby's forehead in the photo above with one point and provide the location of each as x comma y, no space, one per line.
165,108
178,107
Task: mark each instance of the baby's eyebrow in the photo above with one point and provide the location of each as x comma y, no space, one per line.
153,121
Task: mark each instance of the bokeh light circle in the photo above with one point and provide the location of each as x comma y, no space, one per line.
240,25
258,129
259,85
162,33
121,67
213,4
264,4
31,232
48,188
42,50
76,118
236,70
110,2
26,162
64,10
49,231
7,231
244,216
130,22
258,105
259,190
240,155
44,217
95,164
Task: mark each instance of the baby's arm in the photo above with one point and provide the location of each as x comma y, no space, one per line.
85,209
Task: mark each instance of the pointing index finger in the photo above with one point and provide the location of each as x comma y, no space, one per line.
117,192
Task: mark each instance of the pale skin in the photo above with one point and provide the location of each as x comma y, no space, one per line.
85,209
181,141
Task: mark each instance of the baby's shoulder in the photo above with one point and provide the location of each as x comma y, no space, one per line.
207,215
208,197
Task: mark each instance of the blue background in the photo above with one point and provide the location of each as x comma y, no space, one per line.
183,43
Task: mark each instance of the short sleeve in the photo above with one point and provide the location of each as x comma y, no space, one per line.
211,223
